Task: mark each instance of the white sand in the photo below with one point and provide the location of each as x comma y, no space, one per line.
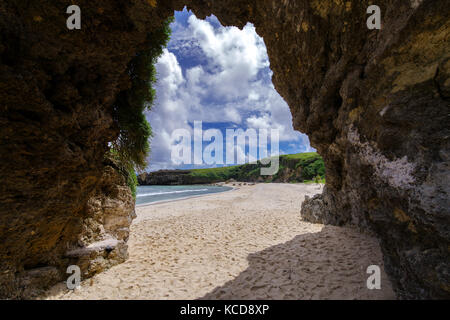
242,244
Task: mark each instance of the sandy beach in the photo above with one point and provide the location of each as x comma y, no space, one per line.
248,243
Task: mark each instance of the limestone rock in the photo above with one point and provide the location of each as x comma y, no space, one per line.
103,240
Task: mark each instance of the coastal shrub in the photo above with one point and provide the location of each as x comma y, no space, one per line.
254,173
316,168
132,182
133,146
126,169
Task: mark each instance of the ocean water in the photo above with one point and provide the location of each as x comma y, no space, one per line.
151,194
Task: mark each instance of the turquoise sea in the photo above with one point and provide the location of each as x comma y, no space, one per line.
151,194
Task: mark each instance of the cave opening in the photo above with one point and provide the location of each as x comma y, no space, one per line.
382,133
214,81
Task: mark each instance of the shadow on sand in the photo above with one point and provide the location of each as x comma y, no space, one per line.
330,264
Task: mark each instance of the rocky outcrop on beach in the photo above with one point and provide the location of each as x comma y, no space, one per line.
374,103
57,90
102,242
169,177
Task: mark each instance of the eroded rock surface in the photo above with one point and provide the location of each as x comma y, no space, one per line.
102,242
374,103
57,94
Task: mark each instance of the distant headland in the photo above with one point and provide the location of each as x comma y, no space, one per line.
301,167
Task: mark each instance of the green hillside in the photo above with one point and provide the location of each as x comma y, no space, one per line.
301,167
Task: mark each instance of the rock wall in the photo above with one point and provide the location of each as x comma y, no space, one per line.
374,104
57,94
102,242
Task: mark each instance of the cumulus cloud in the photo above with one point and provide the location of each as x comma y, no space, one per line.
215,74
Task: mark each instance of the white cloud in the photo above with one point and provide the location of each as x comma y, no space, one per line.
227,80
262,122
234,57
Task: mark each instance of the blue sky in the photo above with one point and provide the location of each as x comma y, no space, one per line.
220,76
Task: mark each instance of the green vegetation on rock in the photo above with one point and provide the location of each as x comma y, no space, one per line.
293,168
132,146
